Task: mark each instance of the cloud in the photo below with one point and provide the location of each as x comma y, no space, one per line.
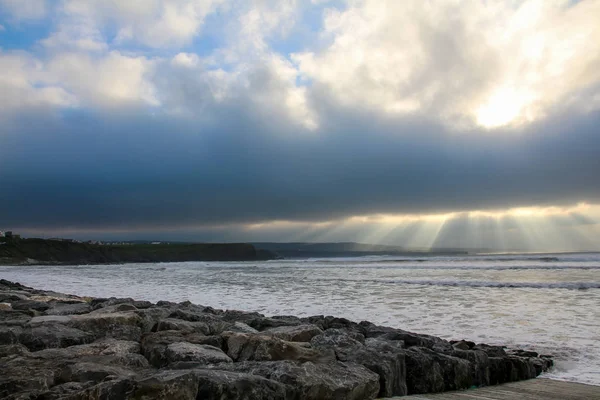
155,24
472,62
25,10
118,121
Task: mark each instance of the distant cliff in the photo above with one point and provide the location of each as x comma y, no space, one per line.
43,251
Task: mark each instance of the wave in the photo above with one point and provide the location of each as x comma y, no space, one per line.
493,284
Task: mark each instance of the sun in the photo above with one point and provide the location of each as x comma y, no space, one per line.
503,107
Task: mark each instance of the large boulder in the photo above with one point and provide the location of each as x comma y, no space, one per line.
113,389
166,385
428,371
479,365
196,354
93,372
172,324
219,385
256,347
295,333
385,358
108,351
336,380
69,309
154,345
53,335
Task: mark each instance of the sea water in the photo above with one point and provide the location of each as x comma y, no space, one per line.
549,303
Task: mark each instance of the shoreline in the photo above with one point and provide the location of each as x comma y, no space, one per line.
72,347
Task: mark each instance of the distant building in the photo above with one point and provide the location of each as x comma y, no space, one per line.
1,234
8,234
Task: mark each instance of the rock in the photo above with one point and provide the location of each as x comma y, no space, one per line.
52,335
21,374
180,385
199,354
111,390
334,380
215,324
241,327
93,372
13,349
255,347
330,322
64,390
262,323
118,325
491,351
337,339
14,318
5,307
142,304
154,345
479,364
172,324
296,333
30,305
10,334
385,358
430,372
100,347
462,345
98,303
68,309
217,385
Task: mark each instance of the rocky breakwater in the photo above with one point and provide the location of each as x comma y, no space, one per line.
56,346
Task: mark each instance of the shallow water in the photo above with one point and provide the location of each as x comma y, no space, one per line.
551,305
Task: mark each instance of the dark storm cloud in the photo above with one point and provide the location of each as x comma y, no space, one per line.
95,171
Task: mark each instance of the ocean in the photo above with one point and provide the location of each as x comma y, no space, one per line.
549,302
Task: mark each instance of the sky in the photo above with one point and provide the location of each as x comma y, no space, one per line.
424,124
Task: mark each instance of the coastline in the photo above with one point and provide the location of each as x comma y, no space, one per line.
79,347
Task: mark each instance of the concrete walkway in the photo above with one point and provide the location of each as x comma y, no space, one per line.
534,389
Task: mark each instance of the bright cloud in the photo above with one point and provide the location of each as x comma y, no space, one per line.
493,63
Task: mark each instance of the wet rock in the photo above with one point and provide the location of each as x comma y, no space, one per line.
5,307
241,327
12,349
10,334
68,309
93,372
172,324
181,385
430,372
385,358
479,364
214,324
491,351
316,381
53,335
154,345
64,390
263,323
330,322
462,345
296,333
256,347
199,354
118,325
111,390
98,303
108,351
30,305
217,385
21,375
